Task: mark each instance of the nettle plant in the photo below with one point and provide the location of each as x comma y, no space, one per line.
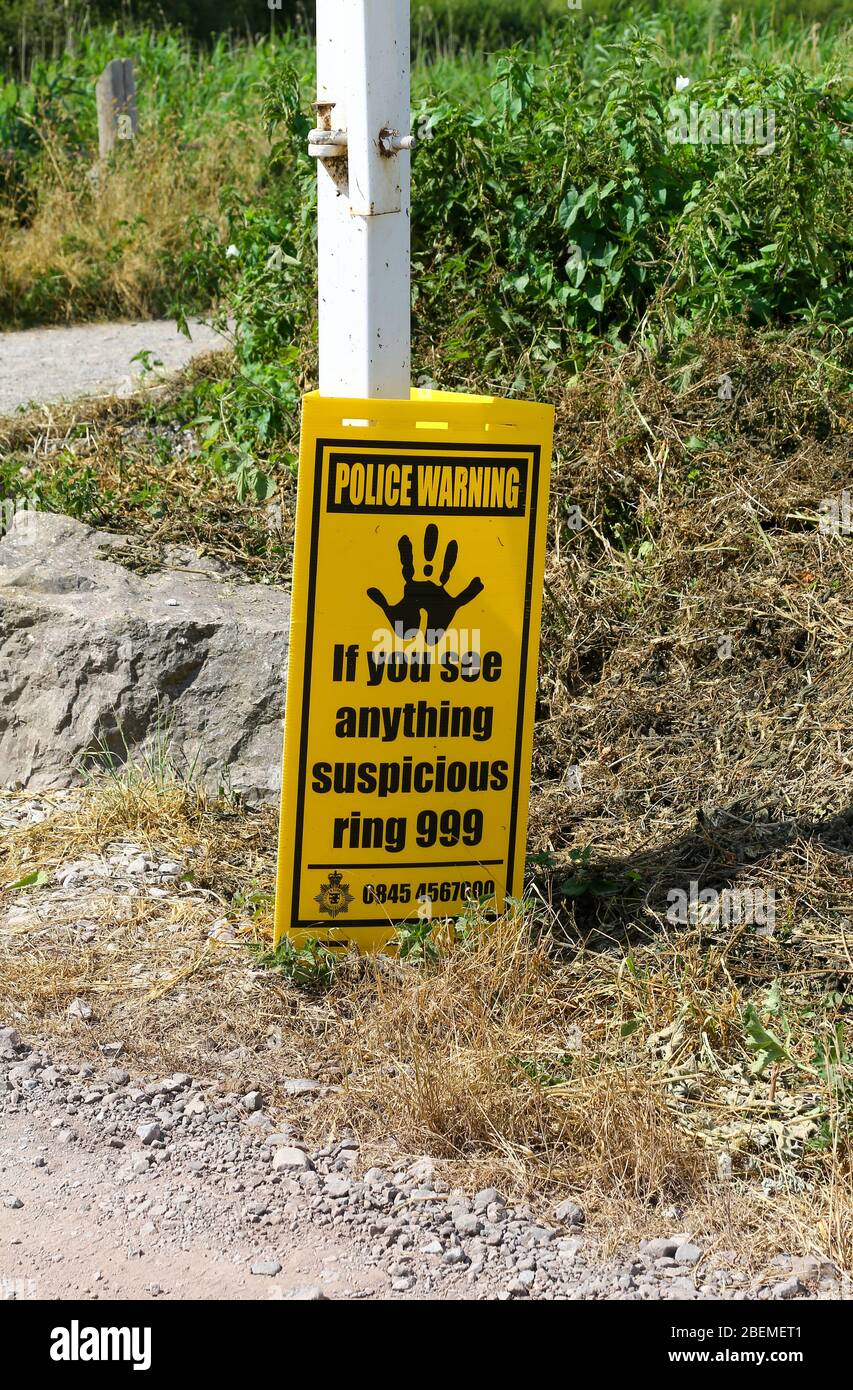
552,214
564,214
262,271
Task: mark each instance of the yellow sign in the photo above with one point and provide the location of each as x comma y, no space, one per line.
417,595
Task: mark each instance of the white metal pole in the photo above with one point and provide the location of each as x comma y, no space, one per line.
363,164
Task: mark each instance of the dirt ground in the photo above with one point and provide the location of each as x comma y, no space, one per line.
72,1239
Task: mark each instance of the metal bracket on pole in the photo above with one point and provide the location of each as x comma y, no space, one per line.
363,79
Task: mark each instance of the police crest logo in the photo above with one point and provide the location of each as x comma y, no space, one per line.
334,897
417,593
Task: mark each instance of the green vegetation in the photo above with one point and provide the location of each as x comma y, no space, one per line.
569,204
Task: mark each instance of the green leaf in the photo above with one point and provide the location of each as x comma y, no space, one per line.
35,879
765,1044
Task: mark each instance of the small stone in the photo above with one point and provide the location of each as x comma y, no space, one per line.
660,1248
526,1277
12,1203
10,1037
308,1293
115,1076
570,1213
337,1188
259,1121
291,1158
423,1171
149,1133
301,1086
808,1267
540,1235
789,1288
454,1256
468,1224
268,1268
78,1008
252,1101
488,1197
403,1283
377,1177
688,1254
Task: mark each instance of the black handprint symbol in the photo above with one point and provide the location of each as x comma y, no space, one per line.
424,595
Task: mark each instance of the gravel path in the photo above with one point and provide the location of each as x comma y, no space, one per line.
55,364
117,1187
124,1186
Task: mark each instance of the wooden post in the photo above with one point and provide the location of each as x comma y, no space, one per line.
116,96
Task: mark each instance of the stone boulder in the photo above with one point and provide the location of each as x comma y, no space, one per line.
94,655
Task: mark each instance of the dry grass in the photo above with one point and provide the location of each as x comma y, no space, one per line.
506,1056
130,466
110,235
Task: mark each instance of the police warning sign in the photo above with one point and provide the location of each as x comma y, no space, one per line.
417,593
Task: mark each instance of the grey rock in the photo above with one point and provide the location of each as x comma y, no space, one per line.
287,1157
115,1076
10,1037
789,1288
540,1235
487,1197
12,1203
301,1086
454,1256
468,1224
78,1008
378,1177
688,1254
134,651
266,1268
307,1293
660,1248
570,1213
252,1100
259,1121
149,1133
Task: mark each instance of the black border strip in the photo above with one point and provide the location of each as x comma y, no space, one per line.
534,452
428,864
